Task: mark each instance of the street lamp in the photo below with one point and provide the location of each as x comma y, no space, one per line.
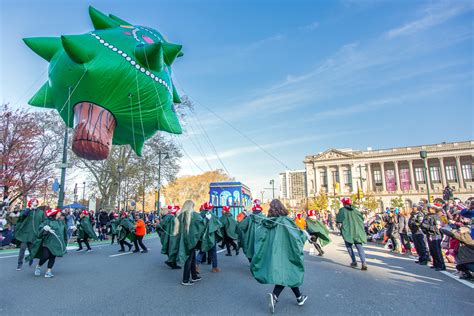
272,182
120,170
158,187
424,156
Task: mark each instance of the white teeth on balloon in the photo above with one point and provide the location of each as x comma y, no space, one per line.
133,62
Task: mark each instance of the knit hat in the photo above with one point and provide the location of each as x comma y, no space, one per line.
31,201
257,208
207,206
52,212
225,209
298,216
311,213
346,201
85,212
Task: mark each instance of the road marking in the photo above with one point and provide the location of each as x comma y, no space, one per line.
121,254
458,279
4,257
221,251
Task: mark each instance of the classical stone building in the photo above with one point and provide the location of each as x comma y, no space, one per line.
393,172
293,187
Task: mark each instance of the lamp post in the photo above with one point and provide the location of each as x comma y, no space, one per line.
272,182
120,170
424,156
84,192
158,187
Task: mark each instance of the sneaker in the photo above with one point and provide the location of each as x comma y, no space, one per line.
301,300
216,270
89,250
187,283
196,279
271,302
354,265
18,267
48,274
364,267
37,271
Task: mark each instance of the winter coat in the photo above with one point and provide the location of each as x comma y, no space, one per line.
27,227
317,228
212,232
188,239
414,223
430,226
352,221
85,229
126,229
279,256
466,244
403,224
229,226
55,241
247,228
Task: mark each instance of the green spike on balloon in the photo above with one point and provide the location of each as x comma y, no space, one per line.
100,20
150,56
45,47
170,52
119,20
75,48
113,84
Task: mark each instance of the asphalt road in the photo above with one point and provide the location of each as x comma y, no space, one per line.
103,283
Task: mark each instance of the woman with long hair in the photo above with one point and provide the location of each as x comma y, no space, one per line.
279,257
403,218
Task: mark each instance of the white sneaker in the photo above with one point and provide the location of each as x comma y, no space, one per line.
271,302
48,274
37,271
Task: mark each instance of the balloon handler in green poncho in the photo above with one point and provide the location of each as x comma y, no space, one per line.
247,228
351,224
190,227
229,231
317,232
279,257
51,241
27,229
85,231
168,230
126,229
212,235
113,224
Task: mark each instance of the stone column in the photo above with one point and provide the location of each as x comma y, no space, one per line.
397,176
369,178
412,175
341,179
382,168
353,179
317,180
459,172
330,187
444,181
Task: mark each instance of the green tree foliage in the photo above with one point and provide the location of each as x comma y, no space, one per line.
320,202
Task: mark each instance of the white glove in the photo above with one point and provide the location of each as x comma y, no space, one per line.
208,216
47,228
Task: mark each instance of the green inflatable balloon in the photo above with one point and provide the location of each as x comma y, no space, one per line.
113,85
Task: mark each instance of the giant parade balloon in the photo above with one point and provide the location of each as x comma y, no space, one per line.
113,85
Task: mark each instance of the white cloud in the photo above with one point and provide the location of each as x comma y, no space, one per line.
433,15
310,27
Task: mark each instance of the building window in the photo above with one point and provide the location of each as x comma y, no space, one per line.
451,173
467,172
335,177
435,176
324,178
347,177
378,177
419,175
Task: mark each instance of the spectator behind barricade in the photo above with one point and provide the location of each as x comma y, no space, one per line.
465,254
403,229
70,223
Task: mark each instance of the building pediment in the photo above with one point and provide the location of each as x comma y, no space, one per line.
332,154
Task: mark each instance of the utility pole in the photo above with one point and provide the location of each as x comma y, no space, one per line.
63,167
262,193
84,192
157,203
120,170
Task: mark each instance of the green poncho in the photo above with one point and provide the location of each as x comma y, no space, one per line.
114,226
247,228
85,229
319,229
212,232
27,227
279,257
56,242
188,239
229,226
126,229
169,238
352,221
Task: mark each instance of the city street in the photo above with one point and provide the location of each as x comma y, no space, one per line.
107,282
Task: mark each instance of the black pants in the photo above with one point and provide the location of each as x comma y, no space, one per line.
123,243
278,288
436,254
139,241
47,256
84,240
190,267
419,241
228,243
113,237
23,247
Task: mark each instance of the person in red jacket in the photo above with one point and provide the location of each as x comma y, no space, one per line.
140,232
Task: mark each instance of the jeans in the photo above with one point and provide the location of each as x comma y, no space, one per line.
23,247
69,232
360,250
436,254
189,269
420,246
47,256
278,288
139,241
212,252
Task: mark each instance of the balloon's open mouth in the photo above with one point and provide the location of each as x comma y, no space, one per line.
93,131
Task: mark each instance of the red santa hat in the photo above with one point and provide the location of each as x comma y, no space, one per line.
257,202
174,209
85,212
225,209
257,208
124,214
52,212
346,201
207,206
31,201
299,215
311,213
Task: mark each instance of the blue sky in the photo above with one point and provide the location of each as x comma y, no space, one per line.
296,77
